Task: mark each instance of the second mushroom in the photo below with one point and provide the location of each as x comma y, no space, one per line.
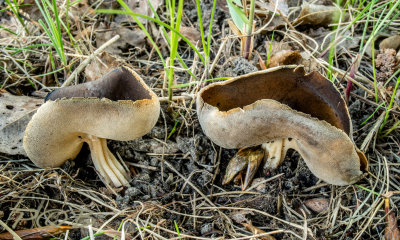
119,106
267,112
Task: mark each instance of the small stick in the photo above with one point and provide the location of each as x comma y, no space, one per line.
175,98
142,166
81,66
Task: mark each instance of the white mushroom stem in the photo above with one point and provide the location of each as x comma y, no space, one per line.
105,162
275,151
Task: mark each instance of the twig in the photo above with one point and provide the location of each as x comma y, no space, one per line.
264,181
81,66
14,234
142,166
175,98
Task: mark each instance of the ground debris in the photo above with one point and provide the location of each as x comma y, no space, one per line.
318,205
256,231
386,63
37,233
15,113
140,7
319,15
285,57
129,37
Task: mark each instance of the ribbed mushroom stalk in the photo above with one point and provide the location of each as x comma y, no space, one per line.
283,108
119,106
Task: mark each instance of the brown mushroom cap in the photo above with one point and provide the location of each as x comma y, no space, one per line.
119,106
282,103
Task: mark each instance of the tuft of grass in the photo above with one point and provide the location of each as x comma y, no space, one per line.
176,24
174,27
167,37
52,27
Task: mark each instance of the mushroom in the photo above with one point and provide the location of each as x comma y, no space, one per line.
118,106
282,108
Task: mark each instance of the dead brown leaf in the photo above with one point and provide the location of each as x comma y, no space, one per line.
29,7
266,9
319,15
190,33
285,57
392,42
392,231
140,7
79,9
100,66
15,113
134,38
270,6
318,205
37,233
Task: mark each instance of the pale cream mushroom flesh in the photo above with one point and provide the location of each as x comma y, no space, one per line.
278,109
118,106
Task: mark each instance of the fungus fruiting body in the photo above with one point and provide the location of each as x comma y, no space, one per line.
118,106
278,109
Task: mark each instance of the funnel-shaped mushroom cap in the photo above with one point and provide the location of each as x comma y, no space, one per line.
119,106
284,103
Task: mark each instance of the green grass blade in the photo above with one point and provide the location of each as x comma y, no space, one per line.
177,230
112,11
8,30
237,14
201,27
391,102
134,16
